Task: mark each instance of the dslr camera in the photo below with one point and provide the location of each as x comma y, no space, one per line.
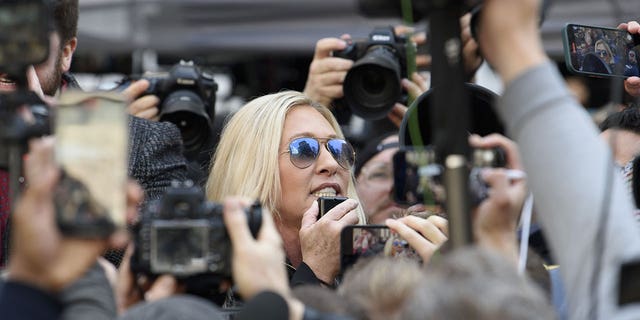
30,22
187,99
372,85
183,235
484,158
418,176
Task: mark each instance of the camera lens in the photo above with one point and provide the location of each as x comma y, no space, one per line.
187,111
372,82
372,85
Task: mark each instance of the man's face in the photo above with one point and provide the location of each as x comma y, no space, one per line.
50,72
374,185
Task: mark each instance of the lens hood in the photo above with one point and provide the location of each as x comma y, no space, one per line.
483,120
372,85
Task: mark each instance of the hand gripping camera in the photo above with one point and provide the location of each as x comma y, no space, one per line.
184,235
418,176
372,85
188,97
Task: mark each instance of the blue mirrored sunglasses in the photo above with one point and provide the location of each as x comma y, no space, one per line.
304,151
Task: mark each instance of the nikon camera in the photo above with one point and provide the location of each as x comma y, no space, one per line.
372,85
183,235
187,99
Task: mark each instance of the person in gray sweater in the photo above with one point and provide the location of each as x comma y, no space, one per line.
581,199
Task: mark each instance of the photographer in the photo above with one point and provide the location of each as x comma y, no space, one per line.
374,182
43,262
327,73
580,213
155,156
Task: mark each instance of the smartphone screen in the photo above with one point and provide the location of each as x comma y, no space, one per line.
601,52
370,240
91,133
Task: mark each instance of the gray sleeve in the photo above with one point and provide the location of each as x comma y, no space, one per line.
572,176
90,297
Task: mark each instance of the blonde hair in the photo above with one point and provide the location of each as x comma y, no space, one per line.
606,48
246,160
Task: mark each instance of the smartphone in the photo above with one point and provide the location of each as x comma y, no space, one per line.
327,203
601,52
417,178
91,131
369,240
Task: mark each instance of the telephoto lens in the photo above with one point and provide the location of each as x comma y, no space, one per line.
372,85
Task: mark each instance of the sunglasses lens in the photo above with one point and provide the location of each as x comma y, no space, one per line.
303,152
342,152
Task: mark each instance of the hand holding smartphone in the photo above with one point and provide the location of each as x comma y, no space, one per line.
91,150
369,240
601,52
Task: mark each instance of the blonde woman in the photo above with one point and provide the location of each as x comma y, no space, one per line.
286,151
603,51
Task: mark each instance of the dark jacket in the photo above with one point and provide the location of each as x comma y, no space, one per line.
23,301
155,151
155,155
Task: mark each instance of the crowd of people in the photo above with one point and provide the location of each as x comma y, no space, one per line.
286,149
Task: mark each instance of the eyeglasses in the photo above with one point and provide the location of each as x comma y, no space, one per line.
378,175
304,151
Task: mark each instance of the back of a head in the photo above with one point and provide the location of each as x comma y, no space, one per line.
66,18
173,308
377,288
476,284
627,119
321,299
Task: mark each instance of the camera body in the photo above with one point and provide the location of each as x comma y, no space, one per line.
372,85
183,235
418,178
187,99
30,22
483,158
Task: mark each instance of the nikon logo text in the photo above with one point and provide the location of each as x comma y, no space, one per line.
380,37
188,82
